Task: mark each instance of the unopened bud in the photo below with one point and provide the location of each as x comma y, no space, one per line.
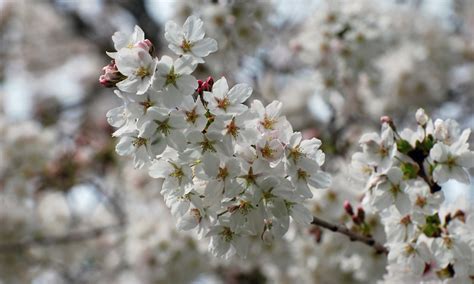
356,220
205,86
111,75
386,119
146,45
421,117
210,81
360,214
348,208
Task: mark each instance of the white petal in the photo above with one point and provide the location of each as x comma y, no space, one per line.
220,88
240,93
204,47
187,85
185,65
193,29
173,33
301,214
466,159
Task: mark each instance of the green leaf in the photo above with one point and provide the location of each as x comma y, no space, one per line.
403,146
426,145
432,227
410,171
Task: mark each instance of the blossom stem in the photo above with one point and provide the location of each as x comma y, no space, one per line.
353,236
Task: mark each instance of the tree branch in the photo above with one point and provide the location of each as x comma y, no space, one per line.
353,236
59,240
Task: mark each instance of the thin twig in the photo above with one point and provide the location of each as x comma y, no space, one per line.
60,240
353,236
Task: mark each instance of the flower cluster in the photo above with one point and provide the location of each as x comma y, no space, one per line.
405,172
230,171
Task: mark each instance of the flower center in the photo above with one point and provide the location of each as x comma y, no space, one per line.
186,46
177,173
302,174
147,104
267,123
207,145
142,72
139,141
267,151
232,128
223,173
171,77
295,153
406,220
222,103
420,201
163,127
191,116
227,234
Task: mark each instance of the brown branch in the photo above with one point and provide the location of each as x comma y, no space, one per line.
60,240
353,236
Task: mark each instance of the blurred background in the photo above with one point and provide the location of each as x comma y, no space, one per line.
72,211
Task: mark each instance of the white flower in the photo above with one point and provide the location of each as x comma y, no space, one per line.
270,149
189,40
225,242
209,142
220,173
139,67
421,117
246,216
412,256
398,228
194,113
390,189
448,131
123,117
451,162
165,124
298,148
142,146
423,201
306,175
274,193
269,120
234,129
450,249
124,40
176,172
223,101
379,150
174,81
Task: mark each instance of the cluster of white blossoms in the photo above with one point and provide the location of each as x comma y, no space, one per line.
405,171
230,171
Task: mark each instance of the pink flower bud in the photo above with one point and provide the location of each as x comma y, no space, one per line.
146,45
348,208
356,220
386,119
360,214
205,86
111,76
210,81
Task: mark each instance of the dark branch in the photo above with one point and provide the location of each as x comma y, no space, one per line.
353,236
